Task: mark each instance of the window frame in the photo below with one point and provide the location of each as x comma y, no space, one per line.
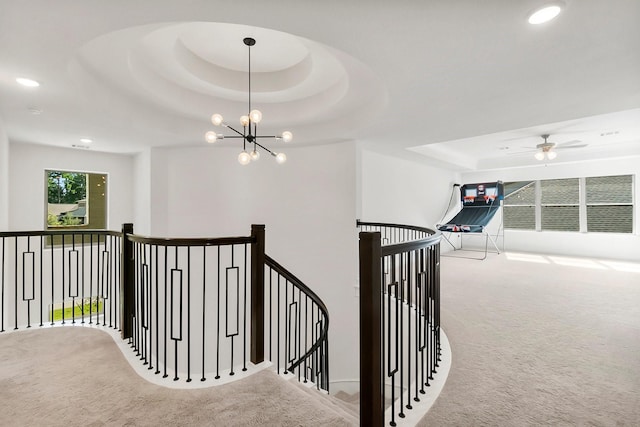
582,206
103,222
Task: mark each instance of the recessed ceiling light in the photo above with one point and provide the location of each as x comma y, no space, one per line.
545,14
86,140
27,82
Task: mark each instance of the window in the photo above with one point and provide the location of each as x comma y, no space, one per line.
520,205
76,200
560,204
610,204
593,204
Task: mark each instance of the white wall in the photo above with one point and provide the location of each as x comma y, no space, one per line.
306,204
4,178
400,191
27,186
599,245
142,193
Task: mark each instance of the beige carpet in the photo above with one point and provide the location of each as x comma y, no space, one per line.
74,376
535,342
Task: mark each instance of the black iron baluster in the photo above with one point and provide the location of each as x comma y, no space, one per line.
278,326
2,292
392,347
188,314
165,344
179,337
244,336
72,295
25,298
400,313
204,306
233,334
52,280
287,341
15,276
149,305
218,322
63,276
306,332
407,269
298,331
110,292
314,337
82,296
41,278
91,281
137,292
157,323
270,314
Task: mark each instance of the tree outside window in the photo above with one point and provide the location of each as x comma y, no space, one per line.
76,199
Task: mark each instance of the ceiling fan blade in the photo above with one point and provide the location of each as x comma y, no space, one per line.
571,144
564,147
526,151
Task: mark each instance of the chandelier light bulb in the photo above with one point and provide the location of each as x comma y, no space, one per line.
281,158
539,155
255,155
287,136
244,158
244,121
255,116
211,137
217,119
551,155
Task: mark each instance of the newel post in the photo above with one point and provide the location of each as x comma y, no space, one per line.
127,288
257,294
371,367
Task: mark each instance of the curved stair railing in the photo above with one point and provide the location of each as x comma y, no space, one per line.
197,308
307,349
399,318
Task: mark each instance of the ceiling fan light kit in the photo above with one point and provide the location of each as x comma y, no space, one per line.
546,149
549,150
249,133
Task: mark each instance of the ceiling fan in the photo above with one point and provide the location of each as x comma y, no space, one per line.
548,149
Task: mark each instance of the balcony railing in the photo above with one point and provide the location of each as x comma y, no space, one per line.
59,276
399,318
190,308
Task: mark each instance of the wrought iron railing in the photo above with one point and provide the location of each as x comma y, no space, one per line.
190,308
399,318
212,305
70,276
299,315
190,312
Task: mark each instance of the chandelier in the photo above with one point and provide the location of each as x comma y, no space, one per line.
249,133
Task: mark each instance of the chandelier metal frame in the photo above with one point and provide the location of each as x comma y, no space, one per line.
249,123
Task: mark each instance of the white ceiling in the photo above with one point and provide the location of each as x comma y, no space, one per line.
447,83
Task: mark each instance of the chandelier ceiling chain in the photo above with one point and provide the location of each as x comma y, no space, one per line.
249,124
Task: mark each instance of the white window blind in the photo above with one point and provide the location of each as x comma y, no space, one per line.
609,202
560,204
520,205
